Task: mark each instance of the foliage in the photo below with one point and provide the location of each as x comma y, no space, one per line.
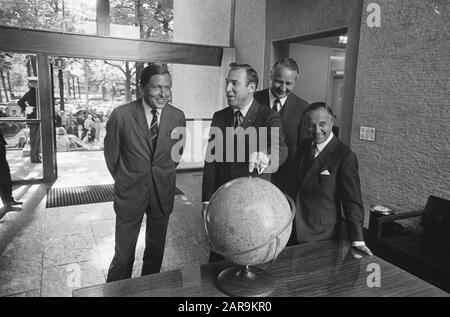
5,61
154,18
31,14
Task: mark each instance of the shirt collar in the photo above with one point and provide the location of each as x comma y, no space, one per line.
148,109
272,99
322,145
244,109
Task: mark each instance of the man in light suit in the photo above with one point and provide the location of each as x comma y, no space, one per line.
138,146
242,114
279,97
326,178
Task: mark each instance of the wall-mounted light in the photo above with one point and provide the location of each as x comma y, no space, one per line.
343,39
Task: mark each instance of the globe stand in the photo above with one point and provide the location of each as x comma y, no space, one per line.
245,281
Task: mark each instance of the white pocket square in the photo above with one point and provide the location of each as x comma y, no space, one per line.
325,172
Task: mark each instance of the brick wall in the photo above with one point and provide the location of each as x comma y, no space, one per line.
403,90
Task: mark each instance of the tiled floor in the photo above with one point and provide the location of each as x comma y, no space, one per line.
42,251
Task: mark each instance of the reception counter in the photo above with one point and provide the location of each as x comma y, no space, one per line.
326,268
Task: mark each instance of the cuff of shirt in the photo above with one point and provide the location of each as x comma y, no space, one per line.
358,243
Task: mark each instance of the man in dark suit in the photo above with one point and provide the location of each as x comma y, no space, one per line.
326,178
244,114
138,146
5,180
28,104
279,97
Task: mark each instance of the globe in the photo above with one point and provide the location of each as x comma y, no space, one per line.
248,221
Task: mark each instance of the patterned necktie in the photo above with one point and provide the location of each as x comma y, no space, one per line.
310,157
238,119
275,105
154,129
314,150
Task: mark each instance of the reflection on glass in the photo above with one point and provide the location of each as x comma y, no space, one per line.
188,21
155,22
75,16
18,150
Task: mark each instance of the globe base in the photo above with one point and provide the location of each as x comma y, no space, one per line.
244,281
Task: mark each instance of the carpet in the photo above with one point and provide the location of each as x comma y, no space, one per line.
82,195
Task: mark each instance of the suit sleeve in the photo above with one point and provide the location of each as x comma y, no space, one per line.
21,101
112,143
350,196
277,144
210,169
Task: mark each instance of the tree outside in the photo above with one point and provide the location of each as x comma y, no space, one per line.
84,89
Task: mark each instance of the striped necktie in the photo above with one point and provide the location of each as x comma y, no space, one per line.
154,129
238,119
276,105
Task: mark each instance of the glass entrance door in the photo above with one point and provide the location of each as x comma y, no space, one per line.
20,116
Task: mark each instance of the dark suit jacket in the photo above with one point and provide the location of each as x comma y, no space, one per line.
5,175
215,173
29,99
292,118
2,140
143,177
319,197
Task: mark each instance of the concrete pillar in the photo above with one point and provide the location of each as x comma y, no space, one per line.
198,90
250,34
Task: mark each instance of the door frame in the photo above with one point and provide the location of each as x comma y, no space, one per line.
45,44
280,48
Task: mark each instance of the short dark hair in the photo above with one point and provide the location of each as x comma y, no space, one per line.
287,62
252,75
152,69
318,105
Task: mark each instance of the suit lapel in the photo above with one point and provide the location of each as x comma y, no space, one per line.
141,119
229,118
164,127
285,108
250,116
324,157
267,98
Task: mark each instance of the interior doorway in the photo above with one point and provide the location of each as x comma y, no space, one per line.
322,60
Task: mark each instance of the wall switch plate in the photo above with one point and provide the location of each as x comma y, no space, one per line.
367,133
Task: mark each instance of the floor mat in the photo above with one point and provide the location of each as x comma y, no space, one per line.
81,195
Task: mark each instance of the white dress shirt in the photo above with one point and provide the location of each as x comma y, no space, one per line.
244,109
149,114
272,99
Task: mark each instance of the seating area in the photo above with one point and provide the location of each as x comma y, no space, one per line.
424,252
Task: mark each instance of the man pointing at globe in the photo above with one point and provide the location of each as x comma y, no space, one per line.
243,136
